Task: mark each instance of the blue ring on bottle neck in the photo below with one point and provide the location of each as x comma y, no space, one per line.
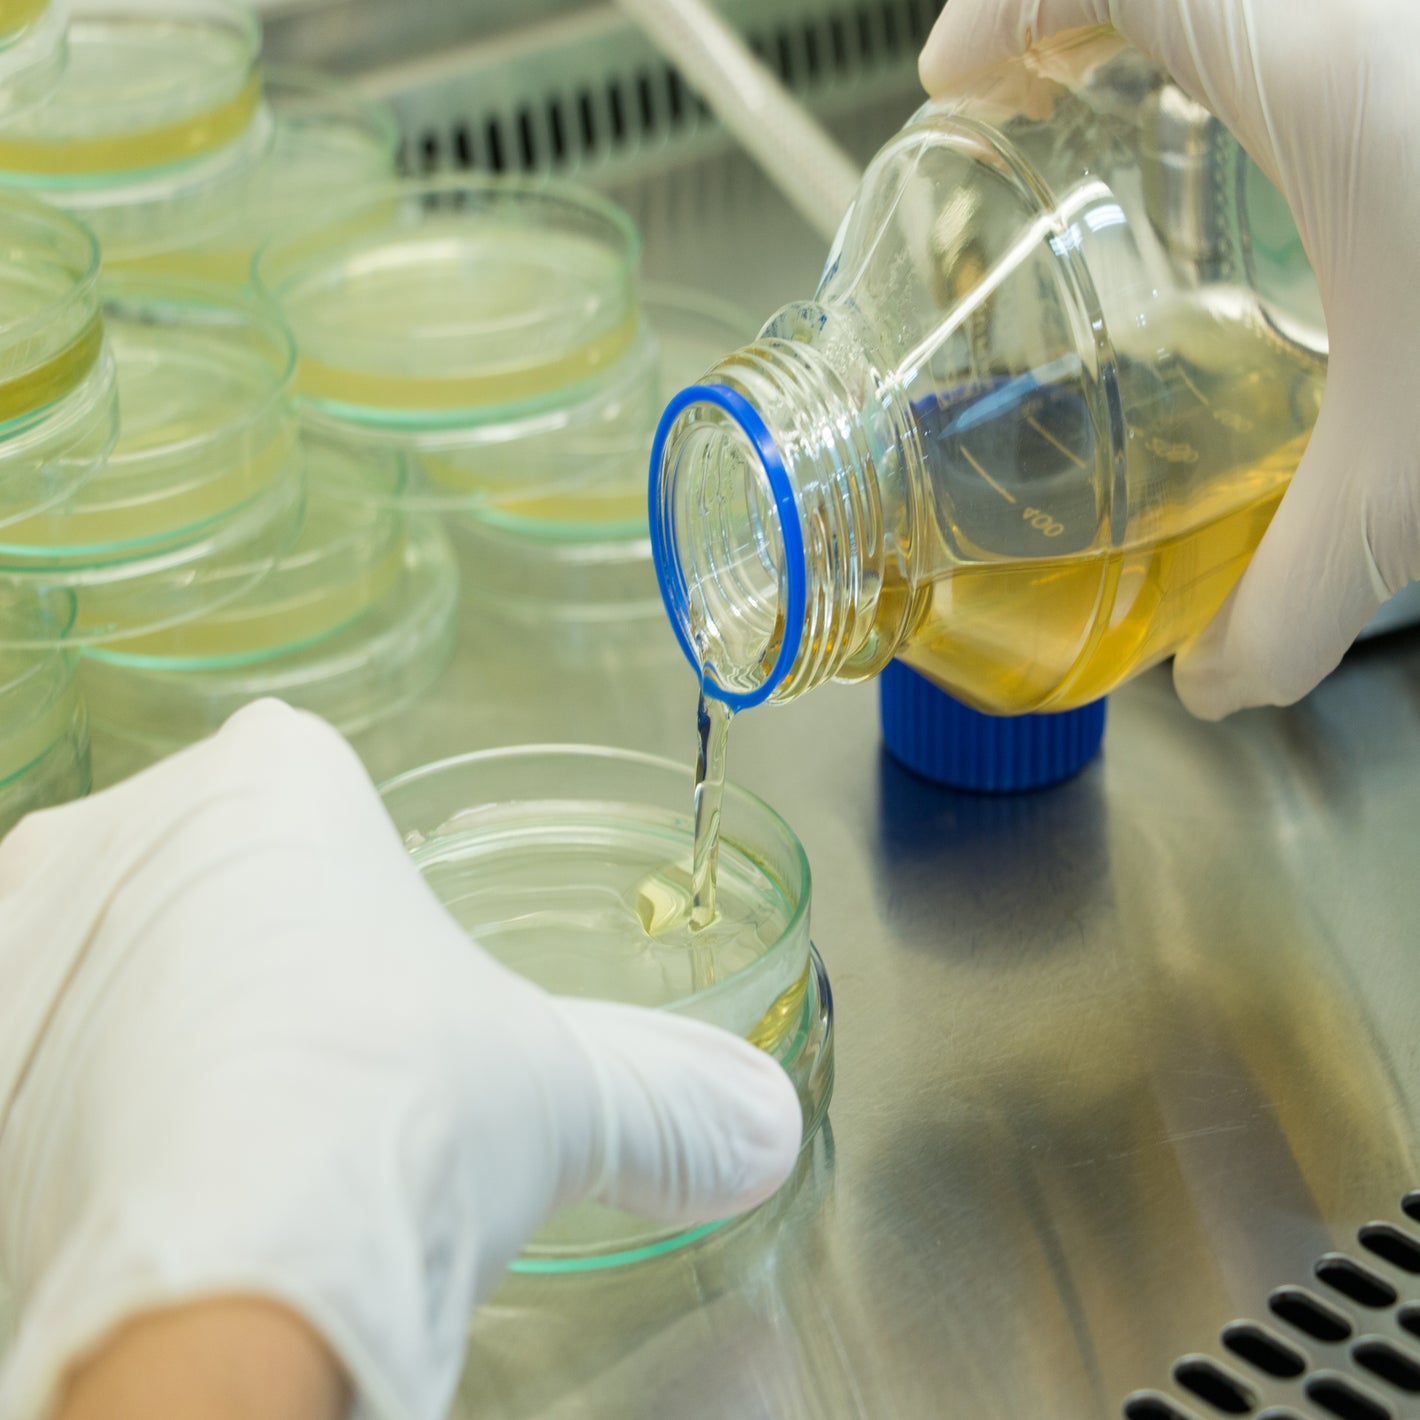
674,592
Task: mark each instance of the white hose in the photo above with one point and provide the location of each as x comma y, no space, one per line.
802,161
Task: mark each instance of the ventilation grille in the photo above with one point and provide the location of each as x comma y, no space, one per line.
1344,1347
611,97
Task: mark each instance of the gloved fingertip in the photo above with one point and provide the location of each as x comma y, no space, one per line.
1204,683
699,1124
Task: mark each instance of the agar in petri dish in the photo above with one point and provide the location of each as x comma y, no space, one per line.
569,864
327,140
51,329
347,557
356,677
148,84
444,303
44,740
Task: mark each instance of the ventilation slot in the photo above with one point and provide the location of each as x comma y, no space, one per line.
1149,1406
1309,1314
1352,1280
1212,1383
1409,1317
1260,1348
601,115
1410,1204
1388,1362
1397,1248
1337,1396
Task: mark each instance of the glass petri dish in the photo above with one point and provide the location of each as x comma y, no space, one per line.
44,738
558,858
356,677
51,329
32,53
149,84
156,130
423,305
202,491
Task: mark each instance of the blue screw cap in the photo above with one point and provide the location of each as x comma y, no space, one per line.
930,733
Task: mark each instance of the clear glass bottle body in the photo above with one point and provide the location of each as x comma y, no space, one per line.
1062,362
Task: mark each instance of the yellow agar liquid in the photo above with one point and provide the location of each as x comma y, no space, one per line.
487,387
112,71
468,313
17,14
289,607
57,376
1046,632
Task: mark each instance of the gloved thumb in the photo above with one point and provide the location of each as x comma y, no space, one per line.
1342,542
694,1123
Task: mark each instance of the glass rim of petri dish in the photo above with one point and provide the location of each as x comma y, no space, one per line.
203,476
565,760
412,382
71,139
51,339
360,676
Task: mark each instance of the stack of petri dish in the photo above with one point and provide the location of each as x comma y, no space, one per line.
201,490
58,421
156,132
492,331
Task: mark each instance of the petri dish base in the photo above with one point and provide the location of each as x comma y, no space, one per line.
568,865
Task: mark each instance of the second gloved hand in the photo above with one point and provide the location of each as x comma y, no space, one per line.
1323,98
244,1051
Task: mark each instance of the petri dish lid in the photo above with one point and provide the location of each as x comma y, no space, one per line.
149,84
362,674
347,558
51,329
206,428
448,303
32,53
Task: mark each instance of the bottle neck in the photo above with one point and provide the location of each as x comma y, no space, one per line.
767,516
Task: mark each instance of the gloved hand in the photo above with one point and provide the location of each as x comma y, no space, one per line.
243,1050
1323,98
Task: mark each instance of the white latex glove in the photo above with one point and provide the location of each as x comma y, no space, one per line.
1324,97
244,1050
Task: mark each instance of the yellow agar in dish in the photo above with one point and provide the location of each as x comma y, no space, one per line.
16,15
63,372
347,558
139,92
